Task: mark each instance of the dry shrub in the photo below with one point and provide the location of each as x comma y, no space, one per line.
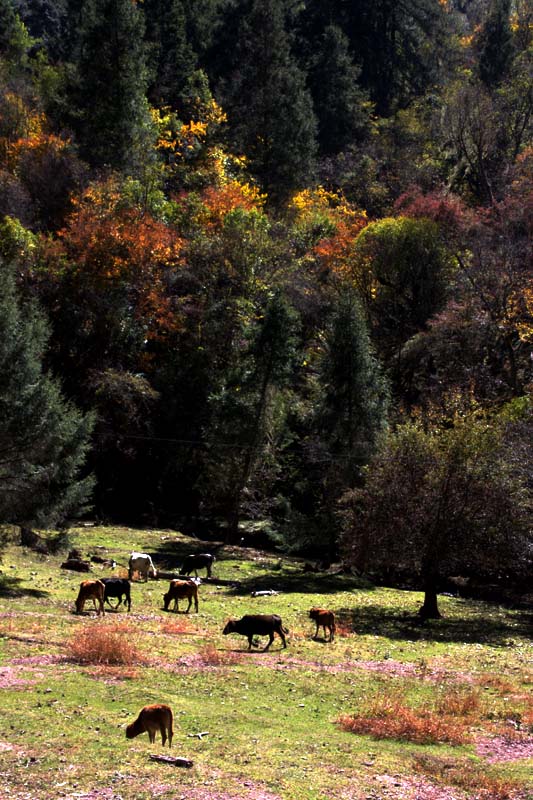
176,626
390,718
469,776
211,656
496,682
105,643
459,701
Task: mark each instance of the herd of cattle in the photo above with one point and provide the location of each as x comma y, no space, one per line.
103,590
159,717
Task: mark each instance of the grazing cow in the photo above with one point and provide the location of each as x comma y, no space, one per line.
117,588
198,561
151,719
143,564
91,590
324,619
257,625
181,590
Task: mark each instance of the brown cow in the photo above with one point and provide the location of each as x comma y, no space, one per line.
91,590
324,619
181,590
151,719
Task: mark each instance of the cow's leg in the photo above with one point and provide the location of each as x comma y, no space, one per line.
151,735
282,637
196,603
270,640
316,632
250,641
163,730
189,606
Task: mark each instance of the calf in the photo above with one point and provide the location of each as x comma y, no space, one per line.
323,619
91,590
117,588
198,561
152,719
181,590
257,625
143,564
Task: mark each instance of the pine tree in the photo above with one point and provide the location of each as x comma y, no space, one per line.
109,98
269,106
172,58
43,438
355,393
495,44
8,26
338,100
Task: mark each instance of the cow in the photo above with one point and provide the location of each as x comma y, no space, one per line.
181,590
323,619
143,564
197,561
151,719
257,625
117,588
91,590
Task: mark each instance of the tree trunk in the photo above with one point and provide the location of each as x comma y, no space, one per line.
430,608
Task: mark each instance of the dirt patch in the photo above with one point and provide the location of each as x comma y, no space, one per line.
505,748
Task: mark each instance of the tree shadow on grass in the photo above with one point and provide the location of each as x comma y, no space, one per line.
482,623
12,587
301,583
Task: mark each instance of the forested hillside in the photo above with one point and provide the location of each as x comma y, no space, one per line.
271,261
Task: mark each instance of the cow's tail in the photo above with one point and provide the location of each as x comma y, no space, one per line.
284,629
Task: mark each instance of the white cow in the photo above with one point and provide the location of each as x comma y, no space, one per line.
143,564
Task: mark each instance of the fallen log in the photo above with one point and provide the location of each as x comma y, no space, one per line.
174,761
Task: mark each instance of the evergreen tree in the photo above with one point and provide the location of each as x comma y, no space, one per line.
338,100
172,58
8,26
355,400
243,410
109,96
43,439
495,43
269,106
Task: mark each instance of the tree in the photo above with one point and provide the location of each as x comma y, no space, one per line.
401,270
172,58
437,503
355,393
43,438
244,409
341,106
495,43
269,106
108,97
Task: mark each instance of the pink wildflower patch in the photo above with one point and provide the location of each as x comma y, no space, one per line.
505,748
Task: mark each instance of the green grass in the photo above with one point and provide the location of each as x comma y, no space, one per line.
271,717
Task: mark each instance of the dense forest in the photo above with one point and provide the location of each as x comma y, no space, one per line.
268,263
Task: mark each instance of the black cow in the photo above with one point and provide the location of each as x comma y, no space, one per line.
257,625
197,561
117,588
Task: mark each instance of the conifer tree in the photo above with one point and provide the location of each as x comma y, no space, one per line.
109,98
495,43
355,393
269,106
43,438
338,100
172,58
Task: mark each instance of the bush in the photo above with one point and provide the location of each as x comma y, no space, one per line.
105,643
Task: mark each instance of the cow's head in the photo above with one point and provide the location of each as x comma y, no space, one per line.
230,627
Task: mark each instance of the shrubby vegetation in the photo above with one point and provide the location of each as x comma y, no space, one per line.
281,272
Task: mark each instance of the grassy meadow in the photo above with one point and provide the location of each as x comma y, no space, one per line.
393,708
